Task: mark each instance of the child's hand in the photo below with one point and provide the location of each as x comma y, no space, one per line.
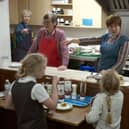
55,80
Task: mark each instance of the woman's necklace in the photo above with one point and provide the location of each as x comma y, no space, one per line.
112,38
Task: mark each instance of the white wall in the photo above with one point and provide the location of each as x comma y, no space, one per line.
87,9
5,51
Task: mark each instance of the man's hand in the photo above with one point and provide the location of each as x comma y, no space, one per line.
62,68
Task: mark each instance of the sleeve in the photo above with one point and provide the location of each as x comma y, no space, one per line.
19,34
123,54
96,110
36,41
10,89
39,93
91,41
18,29
64,49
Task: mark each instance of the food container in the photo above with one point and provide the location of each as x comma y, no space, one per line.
74,91
82,90
60,88
67,88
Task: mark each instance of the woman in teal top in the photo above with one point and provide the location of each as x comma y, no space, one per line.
114,46
110,51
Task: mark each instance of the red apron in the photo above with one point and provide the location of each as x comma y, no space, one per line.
48,46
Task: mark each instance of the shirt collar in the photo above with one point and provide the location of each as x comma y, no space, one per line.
27,79
50,33
114,38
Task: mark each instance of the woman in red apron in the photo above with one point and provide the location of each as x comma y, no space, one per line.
50,41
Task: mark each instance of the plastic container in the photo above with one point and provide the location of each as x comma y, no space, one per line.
87,68
67,88
7,87
82,90
60,88
74,91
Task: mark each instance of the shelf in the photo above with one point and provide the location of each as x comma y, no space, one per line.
67,13
63,4
63,15
79,27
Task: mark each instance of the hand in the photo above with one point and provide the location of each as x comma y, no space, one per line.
25,30
66,42
75,41
72,41
55,80
62,68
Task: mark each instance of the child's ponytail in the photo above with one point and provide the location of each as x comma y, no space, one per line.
109,115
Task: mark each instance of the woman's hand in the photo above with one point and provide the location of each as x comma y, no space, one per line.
72,41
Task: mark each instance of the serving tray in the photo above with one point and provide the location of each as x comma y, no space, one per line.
80,103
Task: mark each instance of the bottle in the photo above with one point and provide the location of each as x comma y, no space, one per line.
60,88
82,90
78,50
7,87
74,91
67,88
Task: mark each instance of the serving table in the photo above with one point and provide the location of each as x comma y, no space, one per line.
74,118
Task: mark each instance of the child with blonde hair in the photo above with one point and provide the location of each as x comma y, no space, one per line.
27,96
107,106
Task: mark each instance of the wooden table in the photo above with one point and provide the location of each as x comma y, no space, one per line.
58,119
74,117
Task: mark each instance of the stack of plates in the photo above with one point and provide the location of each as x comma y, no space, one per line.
15,65
2,95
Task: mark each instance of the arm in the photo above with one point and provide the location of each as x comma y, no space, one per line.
9,102
63,49
36,41
90,41
21,29
40,94
52,102
123,54
85,41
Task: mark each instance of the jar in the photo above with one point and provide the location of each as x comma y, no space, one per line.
82,90
67,88
74,91
60,88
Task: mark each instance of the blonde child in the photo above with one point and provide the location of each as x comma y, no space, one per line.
27,96
106,110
